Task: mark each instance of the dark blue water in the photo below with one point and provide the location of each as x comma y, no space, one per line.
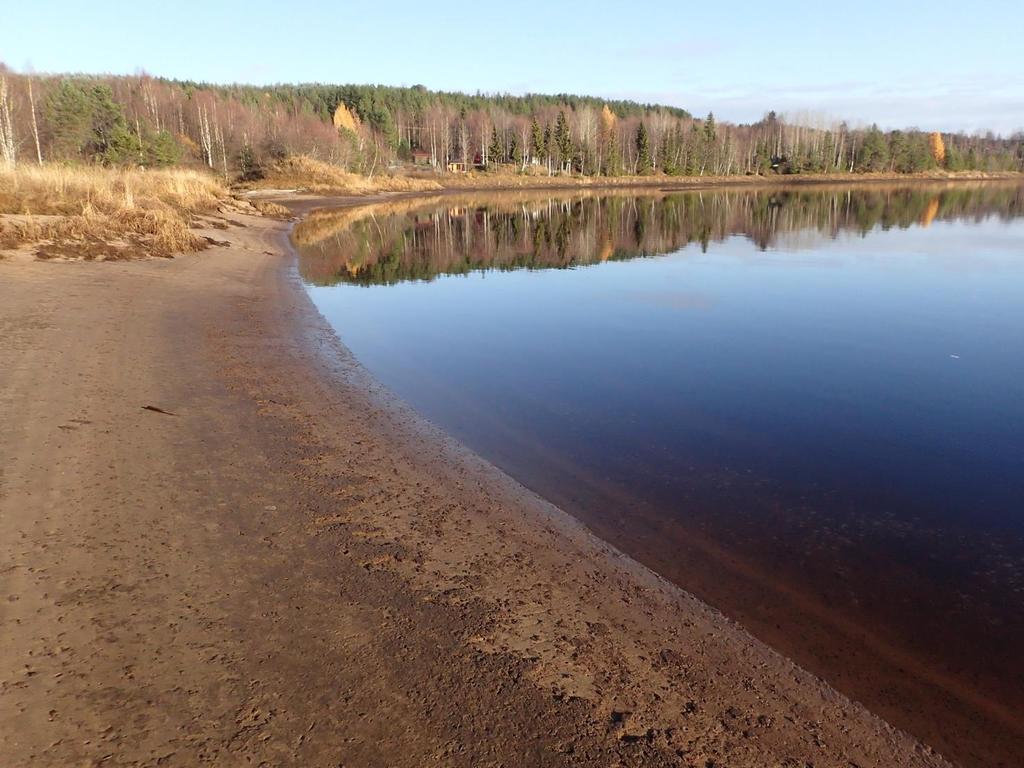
807,408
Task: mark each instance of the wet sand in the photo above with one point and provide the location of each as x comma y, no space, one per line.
940,664
223,542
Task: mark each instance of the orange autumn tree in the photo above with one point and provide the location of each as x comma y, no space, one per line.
606,139
344,119
937,147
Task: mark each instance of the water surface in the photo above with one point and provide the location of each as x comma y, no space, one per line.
805,406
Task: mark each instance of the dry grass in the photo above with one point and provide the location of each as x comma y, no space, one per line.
270,208
303,172
80,209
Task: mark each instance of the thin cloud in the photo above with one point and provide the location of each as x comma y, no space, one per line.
968,104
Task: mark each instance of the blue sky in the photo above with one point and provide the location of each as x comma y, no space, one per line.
957,67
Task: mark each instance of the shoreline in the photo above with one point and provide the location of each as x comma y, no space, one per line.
507,183
497,627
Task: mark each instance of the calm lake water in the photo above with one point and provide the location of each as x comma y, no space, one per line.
804,406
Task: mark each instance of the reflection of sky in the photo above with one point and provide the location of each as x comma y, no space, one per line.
952,246
886,367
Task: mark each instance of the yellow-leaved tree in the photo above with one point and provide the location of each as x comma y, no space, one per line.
938,147
606,142
607,119
344,119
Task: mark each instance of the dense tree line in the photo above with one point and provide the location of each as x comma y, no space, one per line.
238,129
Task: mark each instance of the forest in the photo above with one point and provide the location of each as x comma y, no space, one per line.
238,131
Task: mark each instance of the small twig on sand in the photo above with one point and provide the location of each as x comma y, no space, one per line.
157,410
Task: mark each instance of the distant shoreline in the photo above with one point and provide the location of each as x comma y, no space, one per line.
700,182
384,185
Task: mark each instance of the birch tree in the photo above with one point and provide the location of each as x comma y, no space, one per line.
205,135
8,146
35,124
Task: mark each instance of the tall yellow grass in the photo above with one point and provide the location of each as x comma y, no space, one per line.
149,210
304,172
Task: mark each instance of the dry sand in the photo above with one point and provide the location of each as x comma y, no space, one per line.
286,566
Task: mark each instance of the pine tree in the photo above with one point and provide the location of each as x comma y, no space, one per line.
899,151
86,122
69,119
643,151
161,149
874,151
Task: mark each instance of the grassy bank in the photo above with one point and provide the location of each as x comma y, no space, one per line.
97,212
303,173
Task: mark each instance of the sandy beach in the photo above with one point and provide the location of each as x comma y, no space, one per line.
223,542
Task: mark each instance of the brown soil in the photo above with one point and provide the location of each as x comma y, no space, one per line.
224,543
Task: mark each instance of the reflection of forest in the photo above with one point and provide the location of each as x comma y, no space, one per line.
421,239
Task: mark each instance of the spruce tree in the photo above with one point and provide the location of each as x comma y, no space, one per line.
828,154
248,165
536,140
670,151
563,141
613,159
495,150
710,130
693,151
515,153
710,138
643,151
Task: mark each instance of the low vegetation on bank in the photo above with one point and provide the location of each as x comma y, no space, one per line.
301,172
98,212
